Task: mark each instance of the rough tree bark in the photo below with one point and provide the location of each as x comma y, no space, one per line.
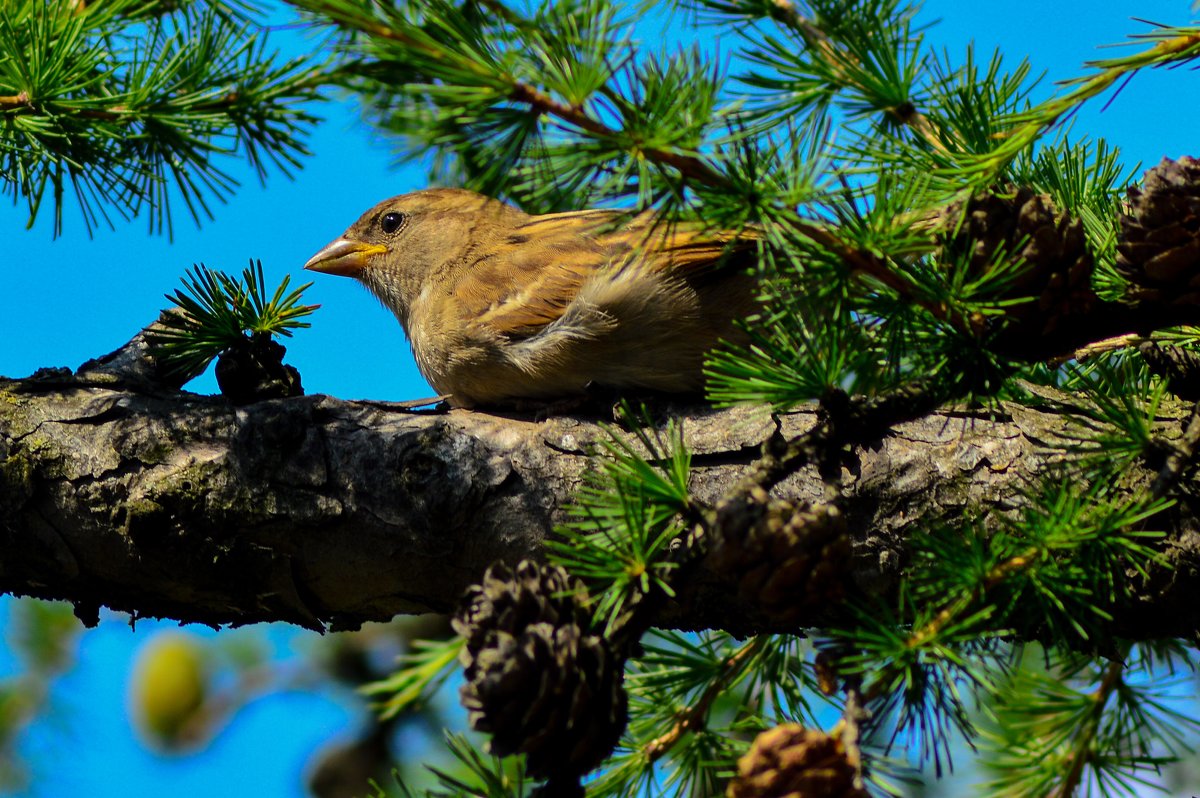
118,491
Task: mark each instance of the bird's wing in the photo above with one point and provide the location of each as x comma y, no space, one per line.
543,264
688,249
539,267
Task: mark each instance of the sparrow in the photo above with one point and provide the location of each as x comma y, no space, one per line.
501,306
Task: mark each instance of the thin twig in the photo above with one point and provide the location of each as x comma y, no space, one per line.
849,727
819,43
688,165
23,105
15,101
932,629
994,577
696,716
1099,348
1040,118
1089,727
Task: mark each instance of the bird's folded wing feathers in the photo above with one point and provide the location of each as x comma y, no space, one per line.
528,311
567,250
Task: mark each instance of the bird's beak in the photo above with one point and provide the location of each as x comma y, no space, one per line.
344,257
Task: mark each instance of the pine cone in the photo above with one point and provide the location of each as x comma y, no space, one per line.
508,602
1179,366
791,761
1056,266
1159,248
788,559
535,679
253,370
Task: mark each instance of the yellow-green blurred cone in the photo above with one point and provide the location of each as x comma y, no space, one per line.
167,691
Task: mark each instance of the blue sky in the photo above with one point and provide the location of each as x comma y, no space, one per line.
73,298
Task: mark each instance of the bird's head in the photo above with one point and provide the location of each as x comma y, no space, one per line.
404,244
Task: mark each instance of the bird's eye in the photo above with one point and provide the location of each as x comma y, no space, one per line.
392,221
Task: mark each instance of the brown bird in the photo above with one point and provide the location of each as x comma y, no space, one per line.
502,306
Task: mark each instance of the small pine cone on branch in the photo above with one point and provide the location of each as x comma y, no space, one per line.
252,370
536,680
1053,266
506,601
788,559
1179,366
1159,247
790,761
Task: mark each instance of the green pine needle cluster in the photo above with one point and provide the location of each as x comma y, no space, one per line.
925,663
1066,724
128,106
421,674
476,775
627,515
217,311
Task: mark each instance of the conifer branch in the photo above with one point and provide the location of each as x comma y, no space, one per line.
1183,44
822,46
1082,742
689,166
24,105
1101,347
695,717
15,101
849,727
131,113
931,630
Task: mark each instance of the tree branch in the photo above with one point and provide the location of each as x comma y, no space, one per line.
328,513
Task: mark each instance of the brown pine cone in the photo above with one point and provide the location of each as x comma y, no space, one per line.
790,761
1055,266
1179,366
535,679
789,560
1159,248
253,370
505,601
